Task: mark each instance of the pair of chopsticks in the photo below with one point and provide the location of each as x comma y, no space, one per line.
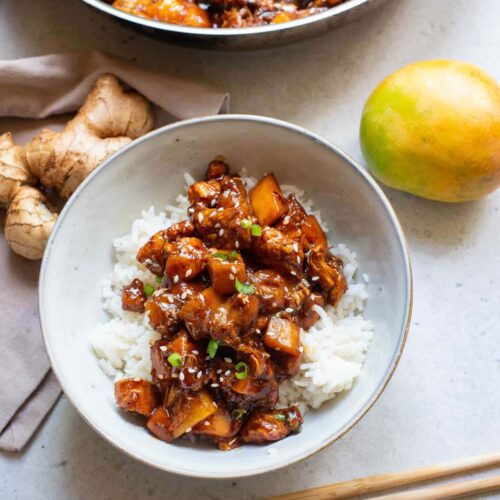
374,484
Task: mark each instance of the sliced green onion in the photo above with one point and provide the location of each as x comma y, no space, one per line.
244,287
246,223
280,417
220,255
233,256
237,413
256,230
175,359
149,290
159,279
241,370
212,347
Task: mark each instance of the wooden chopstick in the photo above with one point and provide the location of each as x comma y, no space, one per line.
374,484
447,491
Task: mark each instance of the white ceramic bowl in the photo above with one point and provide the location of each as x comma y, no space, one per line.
150,171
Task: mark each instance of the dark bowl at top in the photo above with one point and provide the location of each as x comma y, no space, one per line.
241,38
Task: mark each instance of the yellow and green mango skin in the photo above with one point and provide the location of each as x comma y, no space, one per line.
433,129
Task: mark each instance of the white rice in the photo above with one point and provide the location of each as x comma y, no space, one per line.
334,348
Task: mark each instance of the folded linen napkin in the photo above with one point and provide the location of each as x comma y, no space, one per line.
32,91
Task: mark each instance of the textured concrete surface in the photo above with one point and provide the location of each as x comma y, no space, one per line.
443,400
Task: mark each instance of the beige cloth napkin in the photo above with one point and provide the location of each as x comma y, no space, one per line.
32,91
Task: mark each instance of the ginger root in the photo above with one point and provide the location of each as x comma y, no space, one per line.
110,118
13,171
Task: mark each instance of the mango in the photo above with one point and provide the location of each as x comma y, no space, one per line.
433,129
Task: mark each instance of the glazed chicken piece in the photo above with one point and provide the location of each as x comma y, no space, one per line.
179,359
134,297
297,293
251,392
187,290
152,253
270,289
279,251
209,314
160,424
199,314
187,258
291,222
217,168
203,194
163,309
265,426
224,268
326,270
183,229
221,213
308,317
136,395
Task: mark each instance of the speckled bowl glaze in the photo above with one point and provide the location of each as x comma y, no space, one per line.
150,172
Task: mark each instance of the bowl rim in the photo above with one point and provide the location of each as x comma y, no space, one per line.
403,334
346,6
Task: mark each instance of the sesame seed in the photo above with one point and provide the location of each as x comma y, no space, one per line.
298,259
228,360
315,278
194,351
217,225
170,300
192,370
293,273
163,348
202,298
206,422
181,376
160,376
286,289
174,375
213,214
183,295
257,330
296,247
214,385
137,379
227,372
301,349
189,272
176,278
198,375
286,220
200,217
237,244
231,276
218,372
188,429
233,269
221,232
212,203
289,310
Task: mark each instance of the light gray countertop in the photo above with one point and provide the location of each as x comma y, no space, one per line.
443,401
